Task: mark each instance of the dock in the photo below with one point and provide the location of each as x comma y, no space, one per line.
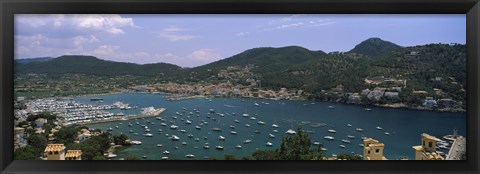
457,149
122,118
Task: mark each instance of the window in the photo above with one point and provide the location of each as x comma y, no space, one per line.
56,152
368,152
50,153
377,150
423,142
429,144
74,158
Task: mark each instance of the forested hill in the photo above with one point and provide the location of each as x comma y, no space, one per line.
76,64
294,67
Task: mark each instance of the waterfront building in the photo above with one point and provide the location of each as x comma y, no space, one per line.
73,155
54,152
427,151
373,150
40,121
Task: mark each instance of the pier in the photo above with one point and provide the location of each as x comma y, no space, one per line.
457,149
120,118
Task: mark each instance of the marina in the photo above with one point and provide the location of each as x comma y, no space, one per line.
206,128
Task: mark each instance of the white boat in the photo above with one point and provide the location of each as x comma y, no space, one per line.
256,104
331,107
274,126
379,128
148,135
206,147
269,144
136,142
316,143
271,135
190,135
359,129
247,141
196,139
247,125
216,129
361,145
245,115
188,122
164,157
290,132
252,118
236,121
173,126
183,130
233,132
349,125
261,123
219,147
332,131
159,145
342,146
367,109
163,124
190,156
334,155
110,129
131,131
345,141
147,130
329,137
275,131
232,126
174,138
324,149
386,133
238,146
184,143
166,152
221,137
197,127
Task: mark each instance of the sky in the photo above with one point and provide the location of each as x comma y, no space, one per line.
192,40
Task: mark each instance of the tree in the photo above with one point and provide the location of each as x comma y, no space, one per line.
230,157
37,142
346,156
120,139
265,155
297,147
25,153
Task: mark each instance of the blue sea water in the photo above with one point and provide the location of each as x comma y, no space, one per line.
404,125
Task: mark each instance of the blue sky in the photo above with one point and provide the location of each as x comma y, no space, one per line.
193,40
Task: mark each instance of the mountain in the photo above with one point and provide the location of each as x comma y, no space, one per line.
29,60
92,65
374,47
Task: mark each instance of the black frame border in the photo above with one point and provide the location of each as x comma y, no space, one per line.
10,7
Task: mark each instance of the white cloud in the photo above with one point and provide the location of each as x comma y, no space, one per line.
242,33
205,55
172,34
110,23
80,40
296,21
106,50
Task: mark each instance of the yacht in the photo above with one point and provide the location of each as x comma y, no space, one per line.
252,118
221,137
232,126
271,135
275,131
183,130
110,129
190,135
247,141
329,137
367,109
197,127
261,123
190,156
351,136
197,139
331,107
379,128
159,145
247,125
236,121
206,147
238,146
245,115
316,143
342,146
136,142
164,157
324,149
257,131
174,138
349,125
216,129
173,126
233,132
386,133
332,131
166,152
219,147
361,145
345,141
359,129
274,126
148,135
256,104
269,144
184,143
188,122
290,132
163,124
